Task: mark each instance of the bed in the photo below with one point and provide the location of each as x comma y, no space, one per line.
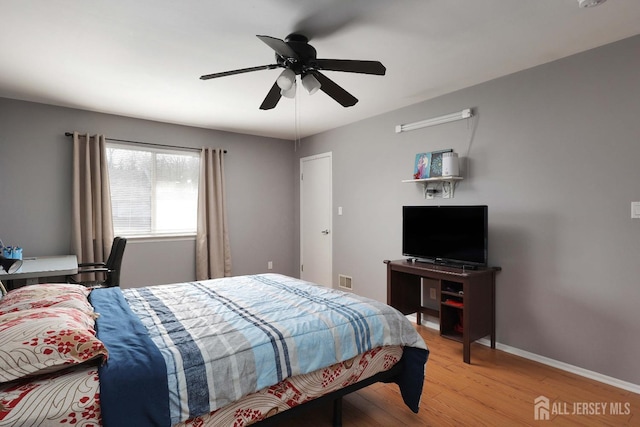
233,351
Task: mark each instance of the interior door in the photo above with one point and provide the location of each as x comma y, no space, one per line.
316,257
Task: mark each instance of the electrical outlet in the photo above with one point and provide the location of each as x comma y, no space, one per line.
432,293
430,192
270,265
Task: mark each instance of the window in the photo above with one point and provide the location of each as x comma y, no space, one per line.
153,191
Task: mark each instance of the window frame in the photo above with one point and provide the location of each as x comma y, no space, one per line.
155,149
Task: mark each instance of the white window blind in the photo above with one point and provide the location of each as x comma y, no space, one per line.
154,192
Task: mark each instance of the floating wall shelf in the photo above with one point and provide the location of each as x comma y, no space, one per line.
450,181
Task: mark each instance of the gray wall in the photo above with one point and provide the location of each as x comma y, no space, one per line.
554,153
35,190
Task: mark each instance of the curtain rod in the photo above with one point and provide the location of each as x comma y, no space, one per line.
147,143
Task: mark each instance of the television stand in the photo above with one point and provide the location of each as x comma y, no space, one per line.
465,298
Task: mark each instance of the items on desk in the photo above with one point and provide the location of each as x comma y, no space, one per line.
12,252
10,265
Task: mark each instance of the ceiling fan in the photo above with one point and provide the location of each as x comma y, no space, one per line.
298,57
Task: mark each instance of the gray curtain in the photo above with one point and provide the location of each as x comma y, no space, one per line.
213,256
92,223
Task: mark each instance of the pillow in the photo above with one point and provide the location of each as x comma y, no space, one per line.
47,295
40,289
39,341
86,321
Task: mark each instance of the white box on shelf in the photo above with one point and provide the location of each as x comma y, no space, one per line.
450,164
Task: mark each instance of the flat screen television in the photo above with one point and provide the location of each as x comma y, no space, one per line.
446,234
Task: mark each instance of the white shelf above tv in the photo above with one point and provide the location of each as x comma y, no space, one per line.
450,180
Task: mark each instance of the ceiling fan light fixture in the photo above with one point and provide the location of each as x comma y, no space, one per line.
286,79
289,93
310,83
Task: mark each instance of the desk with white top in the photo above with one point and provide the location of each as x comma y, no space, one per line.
44,266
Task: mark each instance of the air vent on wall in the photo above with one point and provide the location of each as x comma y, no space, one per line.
345,281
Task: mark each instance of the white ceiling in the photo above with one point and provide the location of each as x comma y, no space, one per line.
143,58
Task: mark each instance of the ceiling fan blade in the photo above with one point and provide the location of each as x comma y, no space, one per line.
280,46
332,89
240,71
351,66
272,98
331,16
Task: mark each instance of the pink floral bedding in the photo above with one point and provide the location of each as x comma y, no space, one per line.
72,397
68,398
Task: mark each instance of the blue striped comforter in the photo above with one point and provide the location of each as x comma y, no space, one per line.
225,338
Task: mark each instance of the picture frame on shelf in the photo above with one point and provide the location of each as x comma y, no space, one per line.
422,166
436,162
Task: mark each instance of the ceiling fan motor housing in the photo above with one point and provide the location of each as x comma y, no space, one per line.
306,54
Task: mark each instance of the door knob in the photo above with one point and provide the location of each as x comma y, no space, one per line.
325,231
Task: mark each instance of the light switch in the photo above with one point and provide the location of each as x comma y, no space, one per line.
339,210
635,209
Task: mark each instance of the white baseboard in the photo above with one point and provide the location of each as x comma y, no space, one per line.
615,382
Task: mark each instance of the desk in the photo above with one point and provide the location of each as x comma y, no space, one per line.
464,299
44,266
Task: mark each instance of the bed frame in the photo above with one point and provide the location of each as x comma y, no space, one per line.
336,397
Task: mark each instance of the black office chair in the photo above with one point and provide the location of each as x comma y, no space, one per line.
110,269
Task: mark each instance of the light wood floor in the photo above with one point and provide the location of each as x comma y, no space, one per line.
497,389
